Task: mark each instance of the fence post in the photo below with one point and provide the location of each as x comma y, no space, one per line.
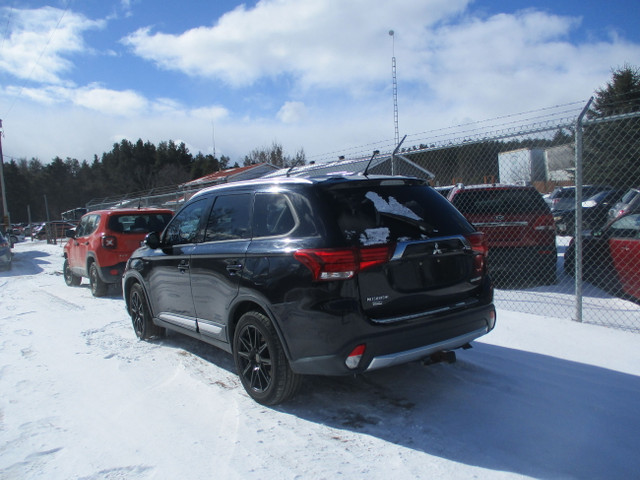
577,234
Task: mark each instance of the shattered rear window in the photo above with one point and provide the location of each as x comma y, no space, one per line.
377,214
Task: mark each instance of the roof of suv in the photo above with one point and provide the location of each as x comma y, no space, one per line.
329,179
490,186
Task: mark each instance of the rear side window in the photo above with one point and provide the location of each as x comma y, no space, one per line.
87,225
375,214
499,201
273,215
229,218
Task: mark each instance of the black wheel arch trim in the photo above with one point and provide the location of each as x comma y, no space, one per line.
244,298
92,258
127,284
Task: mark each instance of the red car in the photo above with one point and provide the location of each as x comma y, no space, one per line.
99,247
518,227
611,257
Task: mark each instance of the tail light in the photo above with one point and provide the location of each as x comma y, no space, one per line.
109,241
479,247
478,242
342,264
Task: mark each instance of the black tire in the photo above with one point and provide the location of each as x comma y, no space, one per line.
260,360
549,277
548,274
98,287
569,265
70,278
140,315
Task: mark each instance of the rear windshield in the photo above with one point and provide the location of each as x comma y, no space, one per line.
139,222
375,214
629,196
499,201
564,193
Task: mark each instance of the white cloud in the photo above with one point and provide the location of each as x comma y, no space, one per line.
322,43
510,63
110,102
92,97
40,40
212,113
292,112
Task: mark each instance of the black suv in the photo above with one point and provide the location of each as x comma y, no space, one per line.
329,276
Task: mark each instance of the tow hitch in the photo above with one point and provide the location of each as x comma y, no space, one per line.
448,356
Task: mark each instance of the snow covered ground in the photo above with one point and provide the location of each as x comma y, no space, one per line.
82,398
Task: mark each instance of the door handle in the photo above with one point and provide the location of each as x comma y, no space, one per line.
234,269
183,266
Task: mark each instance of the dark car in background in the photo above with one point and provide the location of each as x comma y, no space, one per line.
564,198
629,202
595,212
611,257
6,255
53,230
336,275
519,230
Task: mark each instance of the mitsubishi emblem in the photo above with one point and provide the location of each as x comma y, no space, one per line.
436,250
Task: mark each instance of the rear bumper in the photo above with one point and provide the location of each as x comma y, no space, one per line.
393,345
384,361
521,260
113,273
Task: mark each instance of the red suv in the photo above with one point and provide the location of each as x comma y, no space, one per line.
99,247
518,227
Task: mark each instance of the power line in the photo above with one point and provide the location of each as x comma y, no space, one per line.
15,99
6,28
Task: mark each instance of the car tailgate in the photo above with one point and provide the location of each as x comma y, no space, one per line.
421,277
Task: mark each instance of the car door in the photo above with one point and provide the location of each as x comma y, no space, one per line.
168,279
217,263
624,244
78,253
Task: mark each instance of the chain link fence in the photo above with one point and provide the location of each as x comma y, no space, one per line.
559,202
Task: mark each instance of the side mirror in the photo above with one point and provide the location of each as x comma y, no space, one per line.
152,240
70,233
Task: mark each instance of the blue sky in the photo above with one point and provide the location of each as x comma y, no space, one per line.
78,76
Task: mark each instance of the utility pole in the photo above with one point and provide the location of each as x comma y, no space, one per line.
5,209
395,86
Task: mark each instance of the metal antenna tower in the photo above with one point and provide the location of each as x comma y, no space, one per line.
395,87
